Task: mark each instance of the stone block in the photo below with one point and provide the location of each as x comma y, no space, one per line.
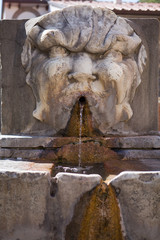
17,100
134,142
70,188
35,206
145,102
24,190
138,194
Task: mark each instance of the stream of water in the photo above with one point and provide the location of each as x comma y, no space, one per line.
80,135
79,168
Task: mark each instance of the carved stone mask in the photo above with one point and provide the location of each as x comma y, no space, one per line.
83,51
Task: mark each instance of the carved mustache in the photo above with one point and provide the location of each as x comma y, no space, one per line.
81,77
85,88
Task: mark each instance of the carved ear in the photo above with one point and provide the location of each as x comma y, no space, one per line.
26,56
142,58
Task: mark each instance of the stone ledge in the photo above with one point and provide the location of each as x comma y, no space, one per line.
25,167
137,142
139,153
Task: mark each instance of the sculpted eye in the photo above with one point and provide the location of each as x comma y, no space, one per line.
58,51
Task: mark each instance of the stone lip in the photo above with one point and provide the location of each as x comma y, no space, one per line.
138,194
141,176
91,180
128,175
124,142
136,153
25,167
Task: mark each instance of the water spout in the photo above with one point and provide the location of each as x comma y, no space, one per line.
82,100
73,126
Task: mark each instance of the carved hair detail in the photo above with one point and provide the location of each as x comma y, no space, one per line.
76,28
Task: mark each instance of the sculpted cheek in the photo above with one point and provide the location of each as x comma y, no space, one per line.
109,72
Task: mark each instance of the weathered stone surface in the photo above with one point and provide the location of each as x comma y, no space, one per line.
117,166
145,105
24,191
134,142
138,142
96,216
91,153
18,107
139,199
15,92
25,166
70,188
138,153
88,52
36,206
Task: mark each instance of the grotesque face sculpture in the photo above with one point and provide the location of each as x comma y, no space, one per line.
83,51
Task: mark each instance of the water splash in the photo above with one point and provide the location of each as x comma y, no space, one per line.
80,135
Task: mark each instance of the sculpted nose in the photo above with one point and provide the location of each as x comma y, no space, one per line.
82,67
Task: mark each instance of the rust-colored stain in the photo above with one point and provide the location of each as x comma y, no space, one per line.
47,167
92,152
73,125
101,220
110,142
33,166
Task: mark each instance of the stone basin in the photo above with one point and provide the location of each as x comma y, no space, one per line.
35,205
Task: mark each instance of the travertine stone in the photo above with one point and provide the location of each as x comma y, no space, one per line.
139,199
134,142
25,166
70,188
140,153
83,51
139,142
24,191
16,96
30,205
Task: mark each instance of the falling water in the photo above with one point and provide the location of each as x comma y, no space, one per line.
80,134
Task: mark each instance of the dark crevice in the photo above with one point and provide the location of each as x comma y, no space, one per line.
82,100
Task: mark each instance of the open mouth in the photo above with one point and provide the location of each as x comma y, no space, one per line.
82,100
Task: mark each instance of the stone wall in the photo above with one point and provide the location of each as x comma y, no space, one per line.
18,101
